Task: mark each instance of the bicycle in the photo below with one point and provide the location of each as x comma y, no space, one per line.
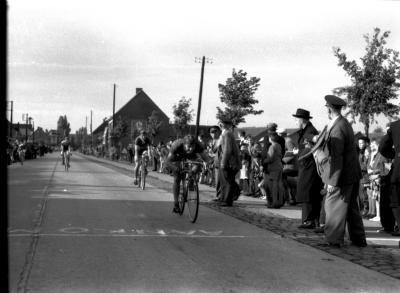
21,155
190,190
143,170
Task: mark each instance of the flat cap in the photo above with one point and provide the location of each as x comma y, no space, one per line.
334,101
272,126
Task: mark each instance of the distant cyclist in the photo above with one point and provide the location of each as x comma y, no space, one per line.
142,144
187,148
65,148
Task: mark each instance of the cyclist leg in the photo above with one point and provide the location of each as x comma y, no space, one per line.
138,160
174,168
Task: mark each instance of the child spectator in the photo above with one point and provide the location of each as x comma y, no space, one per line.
245,158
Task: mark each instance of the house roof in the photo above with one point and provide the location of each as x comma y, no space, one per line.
138,107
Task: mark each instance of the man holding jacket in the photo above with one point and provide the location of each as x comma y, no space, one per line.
341,174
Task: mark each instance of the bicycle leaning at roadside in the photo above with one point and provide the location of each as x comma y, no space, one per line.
142,144
187,148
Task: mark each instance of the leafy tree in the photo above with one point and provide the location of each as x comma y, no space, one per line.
119,131
154,124
374,82
238,95
63,127
182,115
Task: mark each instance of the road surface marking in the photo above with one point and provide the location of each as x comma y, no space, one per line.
131,235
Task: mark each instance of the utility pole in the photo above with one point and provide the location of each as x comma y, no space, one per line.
91,133
11,118
113,118
203,61
26,127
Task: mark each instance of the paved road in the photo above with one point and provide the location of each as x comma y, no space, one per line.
91,230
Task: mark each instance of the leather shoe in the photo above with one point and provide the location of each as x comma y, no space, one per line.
396,233
319,230
359,244
385,231
224,204
176,210
307,226
328,244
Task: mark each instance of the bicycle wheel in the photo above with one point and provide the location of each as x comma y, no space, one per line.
143,176
66,163
193,199
182,198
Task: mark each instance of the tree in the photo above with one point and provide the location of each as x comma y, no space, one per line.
238,95
182,115
119,130
154,124
374,82
63,127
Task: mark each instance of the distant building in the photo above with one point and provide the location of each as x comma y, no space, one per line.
136,113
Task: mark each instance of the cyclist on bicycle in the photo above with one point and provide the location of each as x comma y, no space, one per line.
65,148
187,148
142,144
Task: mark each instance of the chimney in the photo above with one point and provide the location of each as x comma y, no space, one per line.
138,90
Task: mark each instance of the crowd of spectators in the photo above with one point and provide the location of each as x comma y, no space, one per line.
19,150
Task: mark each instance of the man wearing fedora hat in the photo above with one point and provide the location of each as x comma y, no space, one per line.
309,184
229,164
341,174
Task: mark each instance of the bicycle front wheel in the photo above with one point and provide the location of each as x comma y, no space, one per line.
182,198
142,176
193,200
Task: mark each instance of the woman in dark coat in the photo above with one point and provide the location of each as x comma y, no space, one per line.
309,186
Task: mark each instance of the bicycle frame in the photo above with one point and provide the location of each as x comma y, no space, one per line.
190,189
143,170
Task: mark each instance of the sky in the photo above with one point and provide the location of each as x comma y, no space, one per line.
64,56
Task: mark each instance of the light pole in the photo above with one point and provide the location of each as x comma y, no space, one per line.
11,117
203,61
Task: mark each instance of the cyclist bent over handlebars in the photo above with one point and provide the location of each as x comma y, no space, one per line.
142,144
187,148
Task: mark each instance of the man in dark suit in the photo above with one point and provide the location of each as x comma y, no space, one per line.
390,148
341,175
309,184
230,164
215,133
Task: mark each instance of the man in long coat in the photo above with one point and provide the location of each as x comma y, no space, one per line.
390,140
309,184
230,164
341,174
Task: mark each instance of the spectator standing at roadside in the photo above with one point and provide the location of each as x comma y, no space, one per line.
130,153
390,148
229,155
376,170
272,166
341,174
309,184
215,133
363,157
245,159
290,171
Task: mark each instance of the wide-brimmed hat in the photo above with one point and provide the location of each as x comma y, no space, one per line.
301,113
213,128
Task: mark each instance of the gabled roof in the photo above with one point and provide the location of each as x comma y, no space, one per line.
139,107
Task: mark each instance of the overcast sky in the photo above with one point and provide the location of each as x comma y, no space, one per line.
65,56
